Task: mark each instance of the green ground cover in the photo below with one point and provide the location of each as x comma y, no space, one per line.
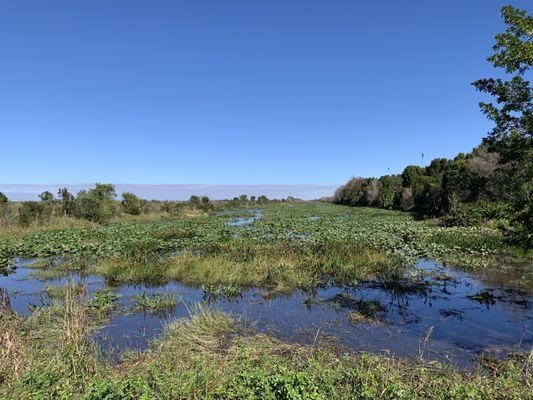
295,229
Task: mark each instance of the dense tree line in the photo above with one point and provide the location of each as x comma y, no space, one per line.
494,181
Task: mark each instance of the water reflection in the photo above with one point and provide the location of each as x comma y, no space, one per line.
467,314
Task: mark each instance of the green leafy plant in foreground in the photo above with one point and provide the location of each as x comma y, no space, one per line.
154,301
103,298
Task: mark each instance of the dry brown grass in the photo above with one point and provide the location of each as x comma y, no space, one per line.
12,354
193,213
55,223
12,350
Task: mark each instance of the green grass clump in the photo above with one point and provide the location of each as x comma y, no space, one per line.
154,301
361,310
103,299
280,267
368,311
214,291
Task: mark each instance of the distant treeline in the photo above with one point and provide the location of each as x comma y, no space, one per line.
494,182
99,205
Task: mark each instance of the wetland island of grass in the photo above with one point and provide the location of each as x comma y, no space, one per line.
416,285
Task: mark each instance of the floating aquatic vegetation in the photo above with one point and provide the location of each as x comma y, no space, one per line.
151,302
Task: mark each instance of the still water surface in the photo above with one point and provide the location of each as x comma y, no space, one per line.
466,314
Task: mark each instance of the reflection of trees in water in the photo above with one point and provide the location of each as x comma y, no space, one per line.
512,275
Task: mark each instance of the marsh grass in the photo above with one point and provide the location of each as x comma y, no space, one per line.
51,354
400,286
483,297
361,310
55,353
59,222
279,267
213,355
152,302
149,270
213,291
393,234
11,347
210,355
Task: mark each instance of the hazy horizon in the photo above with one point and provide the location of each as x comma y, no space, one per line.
22,192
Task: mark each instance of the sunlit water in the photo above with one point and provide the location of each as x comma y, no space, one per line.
458,324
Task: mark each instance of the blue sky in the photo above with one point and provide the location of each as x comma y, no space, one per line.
238,92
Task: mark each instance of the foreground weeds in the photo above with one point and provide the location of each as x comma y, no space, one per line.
214,356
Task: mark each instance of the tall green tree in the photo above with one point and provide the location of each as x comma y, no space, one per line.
512,113
67,201
46,197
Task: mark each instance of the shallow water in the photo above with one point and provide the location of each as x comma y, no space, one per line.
255,214
465,314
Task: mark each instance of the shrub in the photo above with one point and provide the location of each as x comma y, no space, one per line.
131,204
96,204
406,201
32,211
472,214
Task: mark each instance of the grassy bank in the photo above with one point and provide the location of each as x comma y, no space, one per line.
213,356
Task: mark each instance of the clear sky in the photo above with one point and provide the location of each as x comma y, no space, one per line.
238,92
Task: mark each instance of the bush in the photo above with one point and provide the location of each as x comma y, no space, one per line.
480,212
96,204
131,204
32,211
405,200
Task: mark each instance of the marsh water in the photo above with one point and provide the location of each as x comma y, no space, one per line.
450,315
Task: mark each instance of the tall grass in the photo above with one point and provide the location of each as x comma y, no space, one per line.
212,355
281,267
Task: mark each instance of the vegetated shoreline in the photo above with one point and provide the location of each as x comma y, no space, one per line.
212,355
